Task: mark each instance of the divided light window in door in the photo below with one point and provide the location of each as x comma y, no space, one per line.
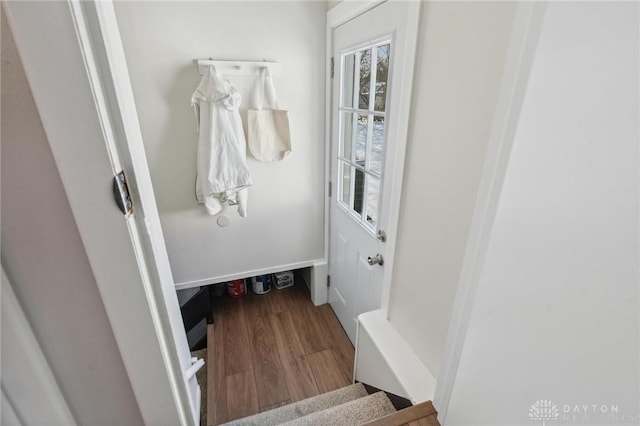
363,98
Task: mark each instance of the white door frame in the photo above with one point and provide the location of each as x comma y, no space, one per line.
340,14
76,69
520,55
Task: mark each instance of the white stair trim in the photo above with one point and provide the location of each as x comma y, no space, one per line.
385,360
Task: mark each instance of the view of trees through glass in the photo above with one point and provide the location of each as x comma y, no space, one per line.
363,129
382,72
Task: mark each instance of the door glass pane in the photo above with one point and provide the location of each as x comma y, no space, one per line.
364,86
348,76
365,79
347,134
382,74
373,194
361,139
377,141
346,182
358,191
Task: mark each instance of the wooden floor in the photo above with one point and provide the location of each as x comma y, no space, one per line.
273,349
422,414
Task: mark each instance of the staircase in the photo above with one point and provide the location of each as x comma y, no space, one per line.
351,405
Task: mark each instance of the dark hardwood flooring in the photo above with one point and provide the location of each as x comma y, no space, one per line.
273,349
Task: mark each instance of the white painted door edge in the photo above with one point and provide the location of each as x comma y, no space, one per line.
521,52
86,155
341,13
104,46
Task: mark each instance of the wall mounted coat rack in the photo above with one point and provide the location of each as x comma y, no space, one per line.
239,68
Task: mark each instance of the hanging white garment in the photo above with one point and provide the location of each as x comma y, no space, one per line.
223,175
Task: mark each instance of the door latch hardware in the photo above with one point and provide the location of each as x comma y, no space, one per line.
382,236
377,259
121,194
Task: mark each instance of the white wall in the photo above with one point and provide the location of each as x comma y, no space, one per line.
286,203
461,55
45,259
30,392
556,313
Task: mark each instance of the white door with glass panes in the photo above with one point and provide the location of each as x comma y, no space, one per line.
367,135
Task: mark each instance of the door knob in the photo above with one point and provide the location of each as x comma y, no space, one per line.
377,259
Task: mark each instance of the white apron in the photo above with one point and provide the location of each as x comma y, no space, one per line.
222,173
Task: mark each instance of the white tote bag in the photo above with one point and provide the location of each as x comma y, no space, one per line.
268,133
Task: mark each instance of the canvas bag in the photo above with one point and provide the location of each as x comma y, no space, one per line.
268,133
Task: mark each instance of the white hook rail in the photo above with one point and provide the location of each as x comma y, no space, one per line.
239,68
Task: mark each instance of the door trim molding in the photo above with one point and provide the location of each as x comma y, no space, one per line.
119,111
337,16
346,11
520,55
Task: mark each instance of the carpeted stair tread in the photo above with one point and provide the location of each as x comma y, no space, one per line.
352,413
303,408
